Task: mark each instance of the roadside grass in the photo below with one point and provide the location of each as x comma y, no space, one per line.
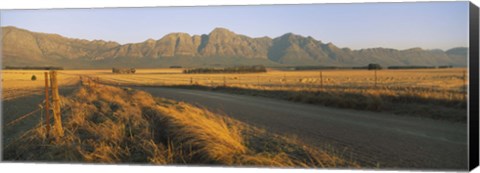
106,124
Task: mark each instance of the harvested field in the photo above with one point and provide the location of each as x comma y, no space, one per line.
18,83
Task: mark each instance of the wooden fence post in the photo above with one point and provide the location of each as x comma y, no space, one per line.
375,77
321,80
224,81
47,105
56,105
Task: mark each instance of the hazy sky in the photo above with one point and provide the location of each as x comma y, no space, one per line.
392,25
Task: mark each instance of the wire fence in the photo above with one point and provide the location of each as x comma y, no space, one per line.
21,126
53,99
16,123
22,117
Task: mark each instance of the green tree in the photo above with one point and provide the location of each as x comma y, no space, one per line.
374,66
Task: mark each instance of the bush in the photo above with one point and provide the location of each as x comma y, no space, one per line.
34,77
374,67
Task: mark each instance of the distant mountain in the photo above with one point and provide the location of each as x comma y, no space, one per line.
458,54
220,47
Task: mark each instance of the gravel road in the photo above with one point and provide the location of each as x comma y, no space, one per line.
370,138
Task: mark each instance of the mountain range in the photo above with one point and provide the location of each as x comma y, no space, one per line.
221,47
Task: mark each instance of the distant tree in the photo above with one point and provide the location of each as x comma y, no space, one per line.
374,66
34,77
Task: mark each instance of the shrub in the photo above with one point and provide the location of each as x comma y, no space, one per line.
34,77
374,67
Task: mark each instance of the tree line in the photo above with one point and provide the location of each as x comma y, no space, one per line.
238,69
32,68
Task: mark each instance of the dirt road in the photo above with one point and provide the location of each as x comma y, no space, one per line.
372,139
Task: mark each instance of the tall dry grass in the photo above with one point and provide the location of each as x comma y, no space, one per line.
105,124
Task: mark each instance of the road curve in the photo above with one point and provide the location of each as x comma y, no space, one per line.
370,138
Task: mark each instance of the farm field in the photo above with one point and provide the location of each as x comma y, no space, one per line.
436,79
18,83
425,83
432,93
441,93
445,80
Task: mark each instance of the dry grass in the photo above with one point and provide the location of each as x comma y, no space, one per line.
430,93
437,79
120,125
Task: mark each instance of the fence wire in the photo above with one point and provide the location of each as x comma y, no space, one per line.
19,119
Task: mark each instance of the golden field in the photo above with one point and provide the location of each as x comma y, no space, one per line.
440,79
436,79
434,93
17,83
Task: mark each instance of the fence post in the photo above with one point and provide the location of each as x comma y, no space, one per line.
224,81
375,77
56,105
321,80
47,105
